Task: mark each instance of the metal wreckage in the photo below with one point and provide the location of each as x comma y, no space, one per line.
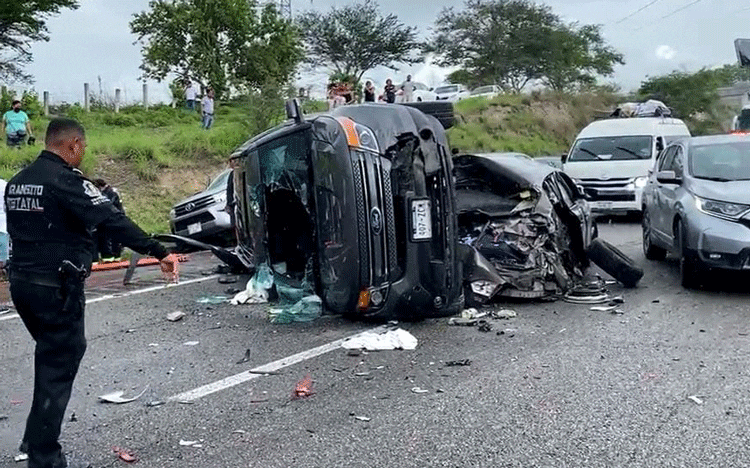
364,209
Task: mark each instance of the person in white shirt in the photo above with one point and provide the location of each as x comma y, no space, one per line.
3,227
191,94
408,88
207,107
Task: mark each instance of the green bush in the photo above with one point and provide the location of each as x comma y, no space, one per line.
119,120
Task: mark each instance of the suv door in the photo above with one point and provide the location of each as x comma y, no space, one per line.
656,207
669,193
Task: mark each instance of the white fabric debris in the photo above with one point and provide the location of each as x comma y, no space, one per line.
393,339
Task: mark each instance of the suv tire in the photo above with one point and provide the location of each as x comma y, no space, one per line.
610,259
691,269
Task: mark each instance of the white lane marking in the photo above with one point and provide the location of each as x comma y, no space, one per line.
256,372
132,293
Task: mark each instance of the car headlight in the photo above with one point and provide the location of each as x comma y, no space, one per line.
367,138
640,182
732,211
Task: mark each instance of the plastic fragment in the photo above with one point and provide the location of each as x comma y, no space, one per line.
189,443
245,358
21,457
212,300
124,455
303,387
392,339
191,343
362,418
461,362
504,314
695,399
419,390
155,403
175,316
117,397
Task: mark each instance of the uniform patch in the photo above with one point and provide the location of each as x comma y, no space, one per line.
93,193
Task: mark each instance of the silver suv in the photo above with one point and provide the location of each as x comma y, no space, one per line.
697,204
203,215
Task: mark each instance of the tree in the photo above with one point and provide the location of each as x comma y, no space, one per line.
514,42
575,56
218,43
21,23
356,38
688,94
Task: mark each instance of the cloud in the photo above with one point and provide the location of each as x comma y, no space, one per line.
665,52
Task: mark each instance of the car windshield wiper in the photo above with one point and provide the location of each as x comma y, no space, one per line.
715,179
629,151
589,152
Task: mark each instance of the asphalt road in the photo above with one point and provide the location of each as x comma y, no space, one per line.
562,386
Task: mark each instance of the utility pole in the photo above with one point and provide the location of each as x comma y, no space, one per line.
285,9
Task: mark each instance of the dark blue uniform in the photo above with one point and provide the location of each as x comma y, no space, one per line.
51,212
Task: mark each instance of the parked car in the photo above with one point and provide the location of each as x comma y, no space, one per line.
527,226
452,92
489,91
356,205
203,215
421,93
610,158
697,205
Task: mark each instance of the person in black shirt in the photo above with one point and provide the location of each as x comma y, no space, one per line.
108,248
389,91
369,92
51,211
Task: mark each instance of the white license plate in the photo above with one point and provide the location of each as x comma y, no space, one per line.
194,228
421,220
603,205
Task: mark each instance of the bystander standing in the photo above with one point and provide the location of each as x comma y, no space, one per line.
16,125
369,92
207,107
389,92
408,88
191,95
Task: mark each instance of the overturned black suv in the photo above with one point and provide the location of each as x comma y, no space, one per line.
357,205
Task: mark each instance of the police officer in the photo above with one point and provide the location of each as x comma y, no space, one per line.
51,212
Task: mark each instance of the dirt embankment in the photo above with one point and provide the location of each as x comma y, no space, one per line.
537,124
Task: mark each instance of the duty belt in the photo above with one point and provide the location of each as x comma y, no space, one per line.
40,279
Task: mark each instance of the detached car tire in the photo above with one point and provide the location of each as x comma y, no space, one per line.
610,259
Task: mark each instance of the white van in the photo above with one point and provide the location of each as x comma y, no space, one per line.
611,158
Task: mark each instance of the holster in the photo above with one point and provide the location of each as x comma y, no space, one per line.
73,279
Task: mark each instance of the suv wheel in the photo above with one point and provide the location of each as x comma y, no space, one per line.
651,251
690,265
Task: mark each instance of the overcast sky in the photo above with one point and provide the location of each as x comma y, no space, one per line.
94,42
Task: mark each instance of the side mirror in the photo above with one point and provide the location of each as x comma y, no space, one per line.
668,177
659,144
294,110
563,157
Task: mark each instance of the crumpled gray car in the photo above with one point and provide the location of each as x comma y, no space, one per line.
525,227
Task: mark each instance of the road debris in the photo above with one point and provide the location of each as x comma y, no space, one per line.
191,343
4,310
117,397
695,399
239,431
16,402
125,455
461,362
232,291
228,279
362,418
604,308
485,326
3,417
73,417
303,387
392,339
256,290
245,358
419,390
155,403
175,316
212,300
463,322
306,309
191,443
503,314
21,457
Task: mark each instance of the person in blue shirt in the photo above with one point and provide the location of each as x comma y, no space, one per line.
16,125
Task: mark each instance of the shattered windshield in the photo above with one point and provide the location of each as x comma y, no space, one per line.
219,182
612,148
721,162
284,162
